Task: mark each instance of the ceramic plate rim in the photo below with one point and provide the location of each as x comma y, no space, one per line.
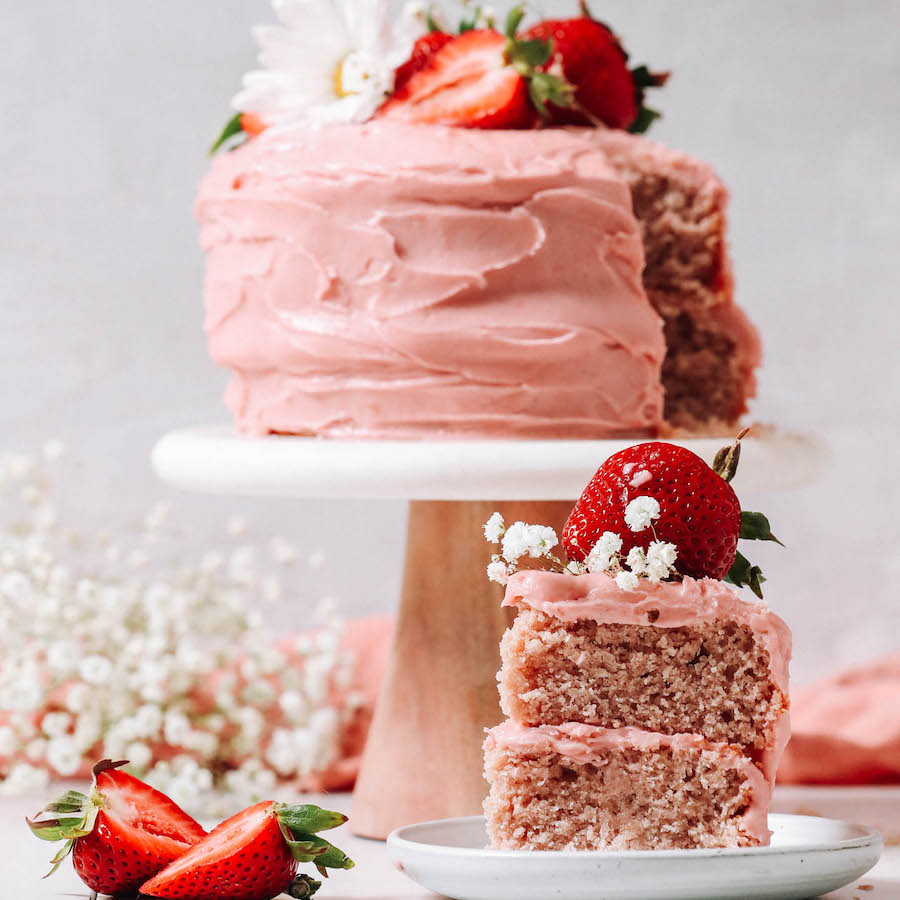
870,837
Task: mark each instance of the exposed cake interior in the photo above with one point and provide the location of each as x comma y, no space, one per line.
712,348
712,679
581,788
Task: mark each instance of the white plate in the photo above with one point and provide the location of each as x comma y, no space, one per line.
808,856
217,460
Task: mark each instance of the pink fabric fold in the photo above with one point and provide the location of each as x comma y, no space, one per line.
846,729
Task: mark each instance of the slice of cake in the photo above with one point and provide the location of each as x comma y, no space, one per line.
648,709
453,238
579,787
671,657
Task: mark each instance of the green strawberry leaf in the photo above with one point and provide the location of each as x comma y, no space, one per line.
470,23
431,23
755,527
232,128
54,830
514,20
743,573
302,887
309,818
312,848
60,857
70,802
645,118
333,858
544,88
527,55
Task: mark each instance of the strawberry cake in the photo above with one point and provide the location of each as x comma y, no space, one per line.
463,234
648,709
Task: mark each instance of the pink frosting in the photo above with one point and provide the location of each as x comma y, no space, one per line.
590,744
663,605
392,280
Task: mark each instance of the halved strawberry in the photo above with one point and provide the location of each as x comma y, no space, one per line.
467,83
253,856
422,52
124,833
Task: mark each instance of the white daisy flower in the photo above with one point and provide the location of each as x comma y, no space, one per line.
329,61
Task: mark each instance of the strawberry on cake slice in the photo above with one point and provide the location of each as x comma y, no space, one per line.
647,699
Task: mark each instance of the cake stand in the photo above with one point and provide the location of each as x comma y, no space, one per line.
423,756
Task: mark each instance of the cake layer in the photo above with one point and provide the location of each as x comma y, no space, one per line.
577,787
689,656
712,679
392,280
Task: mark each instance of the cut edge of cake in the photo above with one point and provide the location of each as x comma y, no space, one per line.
580,787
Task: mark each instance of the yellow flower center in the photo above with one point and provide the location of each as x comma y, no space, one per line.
337,79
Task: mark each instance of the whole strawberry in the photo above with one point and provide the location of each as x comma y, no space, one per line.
254,856
121,835
699,511
590,57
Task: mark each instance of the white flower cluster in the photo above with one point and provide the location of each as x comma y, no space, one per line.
520,540
175,672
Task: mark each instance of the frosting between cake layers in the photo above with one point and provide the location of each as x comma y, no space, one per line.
585,744
391,280
660,605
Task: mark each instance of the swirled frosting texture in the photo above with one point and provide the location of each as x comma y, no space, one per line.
390,280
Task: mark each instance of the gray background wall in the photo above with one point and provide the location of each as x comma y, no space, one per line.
108,108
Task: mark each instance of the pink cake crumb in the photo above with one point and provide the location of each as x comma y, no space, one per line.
578,787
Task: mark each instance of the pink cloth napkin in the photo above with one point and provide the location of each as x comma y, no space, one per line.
846,729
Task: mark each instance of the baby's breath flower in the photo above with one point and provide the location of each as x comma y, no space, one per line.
516,542
662,552
56,724
497,570
97,658
494,528
95,669
640,513
64,756
627,581
522,539
637,560
603,552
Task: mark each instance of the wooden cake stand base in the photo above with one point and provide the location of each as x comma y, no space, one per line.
423,755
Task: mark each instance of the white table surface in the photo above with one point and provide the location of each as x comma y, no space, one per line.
23,860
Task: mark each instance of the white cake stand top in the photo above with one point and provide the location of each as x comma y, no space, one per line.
214,459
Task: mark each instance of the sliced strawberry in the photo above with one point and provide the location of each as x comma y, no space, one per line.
422,52
245,857
124,833
466,83
252,856
252,124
